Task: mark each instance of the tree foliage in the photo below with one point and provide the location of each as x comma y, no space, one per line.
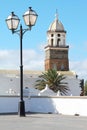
54,80
85,88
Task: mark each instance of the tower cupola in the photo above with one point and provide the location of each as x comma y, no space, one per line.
56,33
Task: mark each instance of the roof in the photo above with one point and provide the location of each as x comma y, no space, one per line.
56,25
32,72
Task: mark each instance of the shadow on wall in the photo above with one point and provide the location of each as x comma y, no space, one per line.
42,104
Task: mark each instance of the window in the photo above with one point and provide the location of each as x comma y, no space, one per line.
54,66
58,40
51,35
58,35
51,42
62,67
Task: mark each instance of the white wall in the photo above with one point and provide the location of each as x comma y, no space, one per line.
9,104
74,85
44,104
62,105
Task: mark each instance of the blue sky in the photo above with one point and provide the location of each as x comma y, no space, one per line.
74,18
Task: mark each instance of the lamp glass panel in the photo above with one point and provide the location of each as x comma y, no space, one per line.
30,18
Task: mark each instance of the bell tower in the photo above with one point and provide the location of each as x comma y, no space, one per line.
56,51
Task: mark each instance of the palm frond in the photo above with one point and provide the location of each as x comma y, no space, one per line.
54,80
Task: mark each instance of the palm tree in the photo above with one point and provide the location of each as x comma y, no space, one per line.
54,81
85,88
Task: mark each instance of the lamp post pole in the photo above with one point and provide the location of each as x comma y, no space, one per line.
21,107
12,21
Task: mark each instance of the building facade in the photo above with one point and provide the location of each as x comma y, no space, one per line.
56,51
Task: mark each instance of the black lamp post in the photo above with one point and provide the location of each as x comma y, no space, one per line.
12,21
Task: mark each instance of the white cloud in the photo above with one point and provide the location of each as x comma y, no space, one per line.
32,60
80,67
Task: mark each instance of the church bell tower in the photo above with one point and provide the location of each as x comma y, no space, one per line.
56,51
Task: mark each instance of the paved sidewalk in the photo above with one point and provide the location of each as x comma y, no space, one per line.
42,122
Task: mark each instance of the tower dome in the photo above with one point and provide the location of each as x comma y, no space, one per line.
56,25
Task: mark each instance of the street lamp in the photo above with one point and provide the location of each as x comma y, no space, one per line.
12,21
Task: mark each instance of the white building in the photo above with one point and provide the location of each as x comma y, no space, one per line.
10,82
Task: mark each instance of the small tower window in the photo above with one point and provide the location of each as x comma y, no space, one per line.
51,35
51,42
58,35
62,67
58,40
54,67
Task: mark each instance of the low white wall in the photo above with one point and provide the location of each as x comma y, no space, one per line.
9,104
63,105
44,104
